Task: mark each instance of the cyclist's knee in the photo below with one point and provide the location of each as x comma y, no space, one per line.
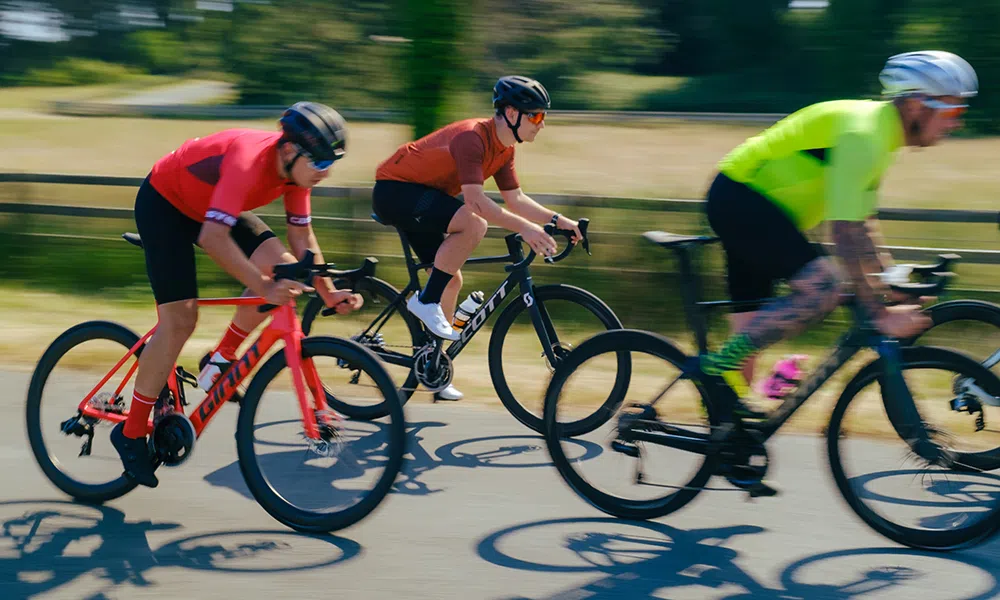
822,280
456,279
467,221
178,320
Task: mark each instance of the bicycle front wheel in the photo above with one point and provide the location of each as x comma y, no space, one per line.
571,315
973,328
328,484
921,500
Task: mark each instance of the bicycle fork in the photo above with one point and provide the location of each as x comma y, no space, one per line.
901,408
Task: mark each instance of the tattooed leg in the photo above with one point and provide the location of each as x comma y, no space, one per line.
815,293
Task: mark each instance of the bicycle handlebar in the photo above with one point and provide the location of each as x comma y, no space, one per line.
305,270
550,229
938,273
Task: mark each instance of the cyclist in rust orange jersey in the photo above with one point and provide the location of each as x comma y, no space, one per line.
416,189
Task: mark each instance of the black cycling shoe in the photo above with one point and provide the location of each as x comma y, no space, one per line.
135,457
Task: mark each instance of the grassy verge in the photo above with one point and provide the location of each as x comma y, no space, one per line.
36,98
671,159
31,320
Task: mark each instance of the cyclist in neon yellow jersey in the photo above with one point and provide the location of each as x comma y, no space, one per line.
823,163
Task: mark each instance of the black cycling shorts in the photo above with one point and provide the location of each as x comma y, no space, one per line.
169,237
762,244
423,213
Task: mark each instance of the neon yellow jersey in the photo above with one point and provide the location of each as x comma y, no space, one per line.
824,162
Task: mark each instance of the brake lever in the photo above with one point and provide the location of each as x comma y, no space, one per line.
583,224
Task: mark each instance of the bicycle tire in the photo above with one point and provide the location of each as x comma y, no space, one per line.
270,500
620,340
968,310
374,288
69,339
911,356
503,324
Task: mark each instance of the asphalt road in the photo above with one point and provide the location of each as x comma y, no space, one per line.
479,513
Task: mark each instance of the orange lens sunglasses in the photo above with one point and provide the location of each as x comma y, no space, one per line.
535,118
954,112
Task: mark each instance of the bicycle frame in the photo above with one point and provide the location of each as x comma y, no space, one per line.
519,276
899,404
284,326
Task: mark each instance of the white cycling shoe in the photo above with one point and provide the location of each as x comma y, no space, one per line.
449,393
433,317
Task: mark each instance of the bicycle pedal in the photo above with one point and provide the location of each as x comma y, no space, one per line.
625,448
761,490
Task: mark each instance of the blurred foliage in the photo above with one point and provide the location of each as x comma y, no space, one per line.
78,71
437,59
432,57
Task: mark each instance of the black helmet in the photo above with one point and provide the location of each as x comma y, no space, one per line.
526,95
316,128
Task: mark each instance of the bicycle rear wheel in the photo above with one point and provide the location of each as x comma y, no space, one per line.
291,478
900,492
63,377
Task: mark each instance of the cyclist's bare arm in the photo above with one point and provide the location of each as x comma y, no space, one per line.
218,244
522,204
860,257
484,206
856,249
302,238
875,234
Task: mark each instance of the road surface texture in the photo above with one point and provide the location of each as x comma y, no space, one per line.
479,513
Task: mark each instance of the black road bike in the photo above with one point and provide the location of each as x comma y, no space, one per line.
399,338
717,441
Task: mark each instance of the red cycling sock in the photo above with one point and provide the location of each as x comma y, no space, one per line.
138,416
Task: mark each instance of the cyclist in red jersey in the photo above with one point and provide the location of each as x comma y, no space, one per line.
201,194
415,191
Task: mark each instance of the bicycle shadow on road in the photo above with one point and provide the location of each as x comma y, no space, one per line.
364,450
646,560
48,544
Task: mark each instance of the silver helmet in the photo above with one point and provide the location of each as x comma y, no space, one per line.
928,73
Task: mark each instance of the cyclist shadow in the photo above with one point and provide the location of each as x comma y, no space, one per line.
961,495
654,558
47,544
364,450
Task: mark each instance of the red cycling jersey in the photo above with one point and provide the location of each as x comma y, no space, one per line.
216,177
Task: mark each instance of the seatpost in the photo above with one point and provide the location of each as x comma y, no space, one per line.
690,293
411,265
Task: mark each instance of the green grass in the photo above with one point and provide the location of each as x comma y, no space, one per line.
37,98
623,91
671,159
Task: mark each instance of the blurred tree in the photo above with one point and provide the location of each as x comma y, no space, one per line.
977,39
291,50
434,28
710,36
858,36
